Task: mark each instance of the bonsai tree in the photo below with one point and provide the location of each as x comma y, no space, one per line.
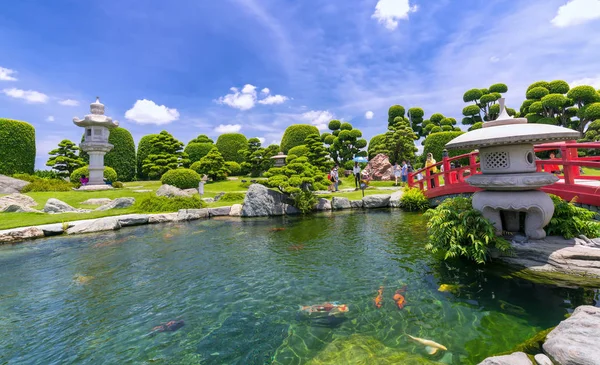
373,144
317,154
254,157
212,165
398,142
438,123
202,138
295,135
65,159
166,153
344,142
484,105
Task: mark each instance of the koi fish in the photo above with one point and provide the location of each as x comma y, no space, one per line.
170,326
399,298
82,280
431,346
277,229
379,298
325,308
449,288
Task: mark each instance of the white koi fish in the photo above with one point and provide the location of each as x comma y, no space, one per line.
431,346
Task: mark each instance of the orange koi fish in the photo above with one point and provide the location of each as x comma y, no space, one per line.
399,298
278,229
379,298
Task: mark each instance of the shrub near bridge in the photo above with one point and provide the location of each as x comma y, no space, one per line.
414,200
181,178
436,142
571,221
17,147
295,135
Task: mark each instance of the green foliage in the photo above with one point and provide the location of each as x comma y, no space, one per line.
232,146
394,112
571,221
166,153
398,142
203,138
197,150
537,93
17,147
117,185
297,175
39,184
456,229
304,200
258,159
558,87
414,200
181,178
212,165
344,143
109,174
415,116
122,156
476,126
592,134
144,148
46,174
234,168
300,150
472,95
295,135
436,142
65,159
232,197
159,204
483,102
498,88
373,143
317,154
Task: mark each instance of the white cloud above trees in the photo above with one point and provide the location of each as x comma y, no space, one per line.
246,98
6,74
148,112
576,12
389,12
228,128
369,115
30,96
69,102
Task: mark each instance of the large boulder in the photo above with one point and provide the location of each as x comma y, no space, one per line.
118,203
191,214
340,203
380,168
171,191
356,204
219,212
575,340
162,218
96,225
10,185
236,210
323,204
395,199
516,358
260,202
19,234
376,201
133,219
17,203
57,206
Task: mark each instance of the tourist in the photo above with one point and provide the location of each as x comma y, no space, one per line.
396,170
356,173
84,180
404,172
335,178
201,184
552,168
431,162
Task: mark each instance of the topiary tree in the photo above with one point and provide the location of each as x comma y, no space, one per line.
295,135
181,178
585,98
393,112
17,147
143,151
547,104
109,174
296,176
344,142
476,126
203,138
373,143
165,154
592,133
212,165
415,116
234,168
196,150
232,146
317,154
484,101
122,156
65,159
437,123
435,144
399,142
299,151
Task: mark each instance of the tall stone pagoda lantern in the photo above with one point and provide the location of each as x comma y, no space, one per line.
97,126
508,176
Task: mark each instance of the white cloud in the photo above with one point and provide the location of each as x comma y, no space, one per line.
228,128
69,102
261,139
576,12
591,81
50,119
265,91
388,12
147,112
369,115
494,59
5,74
318,118
273,99
29,96
242,100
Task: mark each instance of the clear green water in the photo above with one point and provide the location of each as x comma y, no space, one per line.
237,285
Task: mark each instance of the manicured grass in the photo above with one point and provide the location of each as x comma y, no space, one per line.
591,172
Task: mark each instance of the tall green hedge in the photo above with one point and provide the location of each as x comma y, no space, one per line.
17,147
196,150
295,135
122,156
142,152
373,143
435,143
232,146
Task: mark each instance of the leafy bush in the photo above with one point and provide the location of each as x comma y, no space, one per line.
25,177
231,197
109,174
456,229
153,203
299,151
211,165
436,142
414,200
571,221
373,144
46,174
17,147
39,184
196,150
181,178
166,153
295,135
235,169
304,200
232,146
64,159
117,185
348,165
144,149
122,156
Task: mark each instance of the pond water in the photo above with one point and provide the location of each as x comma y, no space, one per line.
238,284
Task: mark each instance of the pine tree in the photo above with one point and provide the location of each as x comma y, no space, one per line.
318,155
65,159
166,153
398,142
212,165
253,158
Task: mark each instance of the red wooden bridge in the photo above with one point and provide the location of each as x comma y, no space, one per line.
572,184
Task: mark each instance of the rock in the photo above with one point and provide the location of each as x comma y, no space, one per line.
356,204
118,203
162,218
542,359
96,225
10,185
291,210
170,191
57,206
15,208
516,358
52,229
323,204
99,201
395,199
260,201
380,168
16,199
575,340
218,212
340,203
133,219
208,200
236,210
219,196
191,214
376,201
19,234
190,191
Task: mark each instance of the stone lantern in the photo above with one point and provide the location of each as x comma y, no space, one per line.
279,159
97,126
508,176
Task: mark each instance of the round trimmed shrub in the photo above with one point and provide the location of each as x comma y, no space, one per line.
537,93
109,174
299,151
17,147
558,87
196,151
122,156
232,146
498,88
181,178
373,143
143,151
235,169
395,111
436,142
295,135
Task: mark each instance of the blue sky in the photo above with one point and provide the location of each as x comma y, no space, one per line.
206,67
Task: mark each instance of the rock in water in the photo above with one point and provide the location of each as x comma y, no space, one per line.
380,168
57,206
340,203
516,358
376,201
10,185
98,225
323,204
19,234
260,201
118,204
236,210
575,340
395,199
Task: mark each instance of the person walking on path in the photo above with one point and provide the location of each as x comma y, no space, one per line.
431,162
335,178
396,170
356,173
404,172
